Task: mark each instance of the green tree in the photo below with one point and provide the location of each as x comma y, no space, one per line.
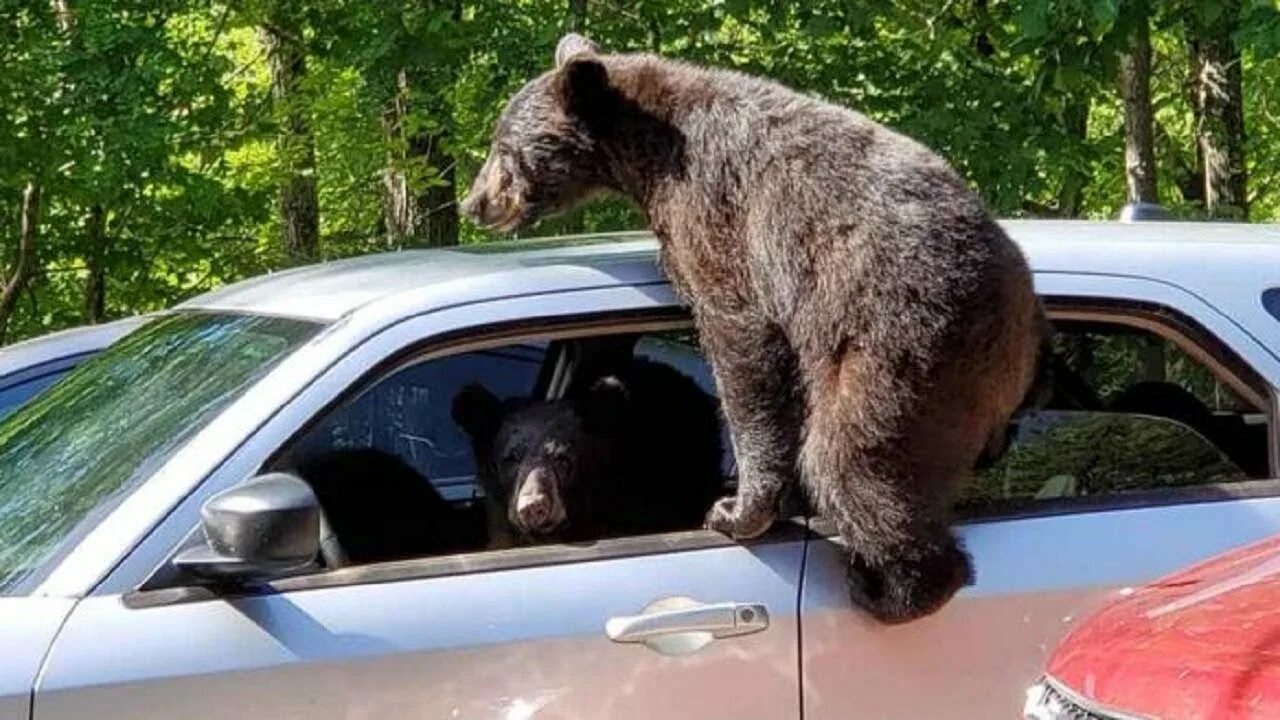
1217,88
158,148
282,31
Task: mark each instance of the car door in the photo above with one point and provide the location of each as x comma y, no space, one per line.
1052,541
28,626
674,625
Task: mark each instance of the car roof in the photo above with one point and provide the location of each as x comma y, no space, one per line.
328,291
74,341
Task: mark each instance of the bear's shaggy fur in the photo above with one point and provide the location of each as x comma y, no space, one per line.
380,509
634,452
870,327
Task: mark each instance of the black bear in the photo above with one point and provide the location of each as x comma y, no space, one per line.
632,452
871,328
380,509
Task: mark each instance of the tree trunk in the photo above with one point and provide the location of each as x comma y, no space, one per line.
295,145
95,287
982,21
1135,88
1071,194
24,265
578,16
63,15
419,206
397,210
1218,99
435,207
417,211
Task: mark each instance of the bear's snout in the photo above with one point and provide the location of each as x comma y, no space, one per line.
538,507
493,202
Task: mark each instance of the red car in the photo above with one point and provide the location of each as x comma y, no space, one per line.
1202,643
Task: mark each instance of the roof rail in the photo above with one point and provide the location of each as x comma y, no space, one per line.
1138,211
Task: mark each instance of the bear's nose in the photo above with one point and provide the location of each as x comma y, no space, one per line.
538,505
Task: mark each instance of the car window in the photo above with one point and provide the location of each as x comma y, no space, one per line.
408,413
15,395
1131,411
400,434
71,451
681,351
1271,301
1066,454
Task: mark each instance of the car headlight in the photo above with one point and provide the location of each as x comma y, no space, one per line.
1047,702
1042,703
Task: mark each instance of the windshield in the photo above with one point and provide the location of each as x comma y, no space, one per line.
84,442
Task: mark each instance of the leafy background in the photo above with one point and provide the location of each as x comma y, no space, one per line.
159,148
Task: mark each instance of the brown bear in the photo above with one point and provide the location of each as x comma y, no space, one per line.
630,452
871,328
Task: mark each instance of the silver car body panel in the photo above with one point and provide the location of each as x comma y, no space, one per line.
502,645
373,650
27,629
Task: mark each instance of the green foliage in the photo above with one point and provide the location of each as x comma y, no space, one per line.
158,113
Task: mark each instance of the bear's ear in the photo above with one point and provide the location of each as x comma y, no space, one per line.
604,405
574,44
582,89
477,411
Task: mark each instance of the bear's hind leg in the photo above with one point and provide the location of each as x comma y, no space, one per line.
910,582
860,470
757,381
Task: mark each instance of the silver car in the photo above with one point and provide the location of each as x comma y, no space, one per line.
154,565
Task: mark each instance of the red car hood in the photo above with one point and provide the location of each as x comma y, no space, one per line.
1202,643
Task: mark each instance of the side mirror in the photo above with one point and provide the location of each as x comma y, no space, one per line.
268,526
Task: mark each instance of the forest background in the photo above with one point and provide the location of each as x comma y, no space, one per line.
153,149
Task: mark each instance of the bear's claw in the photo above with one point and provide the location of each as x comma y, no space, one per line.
724,517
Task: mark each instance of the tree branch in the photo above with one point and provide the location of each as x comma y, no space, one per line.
25,263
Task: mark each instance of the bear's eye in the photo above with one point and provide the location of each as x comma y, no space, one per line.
512,456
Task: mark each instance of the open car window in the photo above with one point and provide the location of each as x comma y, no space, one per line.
407,414
1058,455
1131,412
393,458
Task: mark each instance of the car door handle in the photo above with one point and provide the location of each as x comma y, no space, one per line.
719,620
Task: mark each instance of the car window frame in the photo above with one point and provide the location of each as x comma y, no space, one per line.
162,587
1167,323
407,334
1198,342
